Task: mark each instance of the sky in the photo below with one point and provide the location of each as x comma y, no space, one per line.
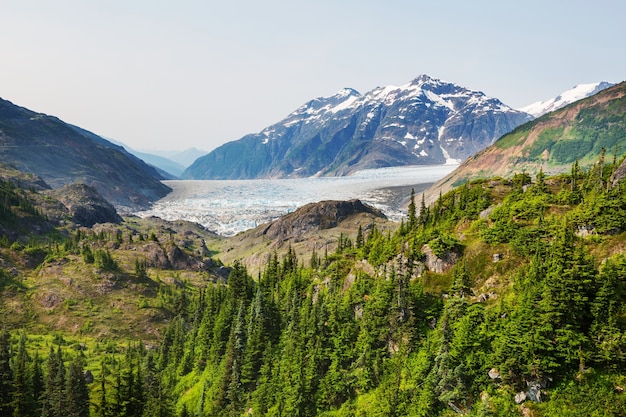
170,75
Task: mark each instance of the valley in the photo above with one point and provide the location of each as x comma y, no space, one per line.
499,290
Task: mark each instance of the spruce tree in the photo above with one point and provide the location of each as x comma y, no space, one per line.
6,375
76,391
22,395
412,211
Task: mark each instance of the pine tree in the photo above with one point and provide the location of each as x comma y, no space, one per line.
461,285
104,407
22,395
424,214
53,402
412,211
76,391
37,384
6,375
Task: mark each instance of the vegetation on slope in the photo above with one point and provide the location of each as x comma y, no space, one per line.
503,298
579,132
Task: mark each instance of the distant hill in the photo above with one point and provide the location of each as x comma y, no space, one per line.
578,92
61,154
553,142
172,163
187,157
424,122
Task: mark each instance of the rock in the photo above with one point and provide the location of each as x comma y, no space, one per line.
486,212
496,257
86,206
88,377
156,257
316,216
520,397
438,265
585,231
494,374
619,174
533,393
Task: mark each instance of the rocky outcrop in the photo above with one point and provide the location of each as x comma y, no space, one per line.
85,205
436,264
316,216
619,174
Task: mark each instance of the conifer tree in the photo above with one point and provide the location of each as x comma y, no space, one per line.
37,384
412,215
76,391
104,406
6,375
54,401
22,395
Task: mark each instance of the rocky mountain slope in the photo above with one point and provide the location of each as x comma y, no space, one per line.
578,92
577,132
314,227
61,154
426,121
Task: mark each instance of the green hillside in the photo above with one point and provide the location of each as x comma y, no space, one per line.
581,131
503,298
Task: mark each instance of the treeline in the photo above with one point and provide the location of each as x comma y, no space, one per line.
358,332
126,383
528,317
12,197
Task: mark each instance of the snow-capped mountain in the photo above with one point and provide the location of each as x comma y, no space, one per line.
578,92
426,121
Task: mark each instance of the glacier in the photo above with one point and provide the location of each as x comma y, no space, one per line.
228,207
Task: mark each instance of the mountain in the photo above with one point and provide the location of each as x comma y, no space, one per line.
426,121
172,169
61,154
167,168
497,300
576,132
186,157
181,158
578,92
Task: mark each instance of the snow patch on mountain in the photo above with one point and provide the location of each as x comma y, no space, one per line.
578,92
347,131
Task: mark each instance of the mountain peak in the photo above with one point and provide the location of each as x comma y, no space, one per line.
424,122
426,79
578,92
346,92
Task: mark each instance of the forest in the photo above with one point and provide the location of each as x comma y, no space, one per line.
526,316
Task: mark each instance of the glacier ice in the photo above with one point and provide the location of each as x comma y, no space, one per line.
228,207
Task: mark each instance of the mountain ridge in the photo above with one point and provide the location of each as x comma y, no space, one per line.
553,142
426,121
60,154
578,92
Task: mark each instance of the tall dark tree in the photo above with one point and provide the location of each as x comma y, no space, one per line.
23,404
76,391
6,375
412,211
53,402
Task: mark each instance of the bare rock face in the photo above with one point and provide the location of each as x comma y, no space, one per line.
436,264
316,216
619,174
86,206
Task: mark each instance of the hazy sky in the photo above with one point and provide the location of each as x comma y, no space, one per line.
174,74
